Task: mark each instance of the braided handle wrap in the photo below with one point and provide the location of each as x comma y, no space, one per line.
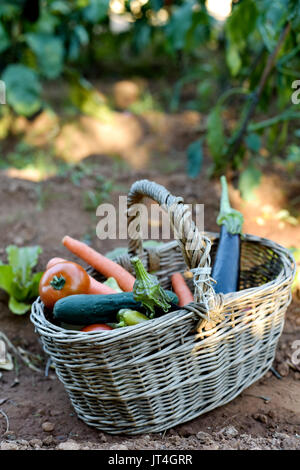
195,247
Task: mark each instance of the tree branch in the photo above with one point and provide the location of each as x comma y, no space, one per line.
254,98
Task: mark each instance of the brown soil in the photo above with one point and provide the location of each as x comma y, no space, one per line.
265,416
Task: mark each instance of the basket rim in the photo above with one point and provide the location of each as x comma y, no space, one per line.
286,274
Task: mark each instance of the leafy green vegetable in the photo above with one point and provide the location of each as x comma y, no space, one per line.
116,252
111,282
17,279
148,290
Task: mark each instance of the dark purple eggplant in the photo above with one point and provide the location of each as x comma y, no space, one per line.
226,268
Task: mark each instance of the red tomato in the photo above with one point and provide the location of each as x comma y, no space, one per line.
97,327
63,279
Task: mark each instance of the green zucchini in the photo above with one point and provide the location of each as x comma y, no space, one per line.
86,309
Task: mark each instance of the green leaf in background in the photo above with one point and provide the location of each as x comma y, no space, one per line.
233,59
241,22
179,24
293,158
156,4
142,36
82,34
194,158
23,89
86,98
249,180
4,39
49,51
47,22
60,7
296,253
9,9
253,142
96,11
215,134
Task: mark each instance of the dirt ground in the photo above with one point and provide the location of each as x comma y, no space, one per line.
36,409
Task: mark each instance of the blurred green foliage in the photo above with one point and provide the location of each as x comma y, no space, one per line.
223,60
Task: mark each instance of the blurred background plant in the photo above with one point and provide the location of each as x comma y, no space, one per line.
232,62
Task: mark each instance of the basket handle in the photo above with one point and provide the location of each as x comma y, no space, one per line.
195,247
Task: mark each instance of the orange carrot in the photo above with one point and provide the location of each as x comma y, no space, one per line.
99,262
95,286
181,289
54,261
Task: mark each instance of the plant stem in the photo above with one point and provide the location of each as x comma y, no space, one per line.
231,218
254,98
285,116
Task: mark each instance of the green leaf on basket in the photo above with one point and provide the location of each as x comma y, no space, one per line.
116,252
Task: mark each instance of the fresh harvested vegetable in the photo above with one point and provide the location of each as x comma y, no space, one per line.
97,327
226,268
127,317
63,279
102,264
17,279
148,290
112,283
95,287
88,309
182,290
54,261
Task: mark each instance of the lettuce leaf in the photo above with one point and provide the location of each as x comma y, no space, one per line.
17,279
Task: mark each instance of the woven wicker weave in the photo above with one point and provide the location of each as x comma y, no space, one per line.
150,377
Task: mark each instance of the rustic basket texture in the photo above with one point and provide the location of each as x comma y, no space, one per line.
150,377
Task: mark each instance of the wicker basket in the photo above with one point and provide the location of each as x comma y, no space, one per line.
150,377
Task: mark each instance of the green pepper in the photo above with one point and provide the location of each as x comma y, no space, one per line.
127,317
148,290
